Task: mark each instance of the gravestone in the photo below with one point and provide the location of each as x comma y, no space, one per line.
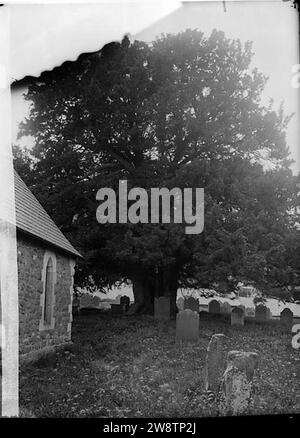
187,325
125,301
225,308
237,316
237,382
162,308
215,362
286,317
269,314
192,304
261,313
250,312
214,307
180,303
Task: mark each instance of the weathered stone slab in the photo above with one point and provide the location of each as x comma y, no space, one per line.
250,312
125,301
237,317
162,308
261,313
215,362
214,307
286,316
192,304
187,325
237,382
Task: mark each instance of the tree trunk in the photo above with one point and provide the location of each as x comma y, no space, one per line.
143,292
148,286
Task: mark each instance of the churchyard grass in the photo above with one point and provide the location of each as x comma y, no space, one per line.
131,366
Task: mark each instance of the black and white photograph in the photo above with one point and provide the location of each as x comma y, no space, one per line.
150,212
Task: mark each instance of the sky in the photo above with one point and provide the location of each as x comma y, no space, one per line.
44,36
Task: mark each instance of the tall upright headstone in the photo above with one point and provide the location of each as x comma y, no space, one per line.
237,317
261,313
125,301
162,308
192,304
286,317
215,362
187,325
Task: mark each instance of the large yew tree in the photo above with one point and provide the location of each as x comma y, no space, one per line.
184,111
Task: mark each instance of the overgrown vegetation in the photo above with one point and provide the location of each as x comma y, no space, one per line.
132,367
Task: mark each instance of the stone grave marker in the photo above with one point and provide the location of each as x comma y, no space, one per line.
215,362
187,325
250,312
237,382
214,307
286,316
162,308
261,313
125,301
238,316
192,304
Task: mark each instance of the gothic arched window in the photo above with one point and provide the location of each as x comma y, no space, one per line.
49,286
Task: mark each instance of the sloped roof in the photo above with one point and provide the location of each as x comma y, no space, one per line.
33,219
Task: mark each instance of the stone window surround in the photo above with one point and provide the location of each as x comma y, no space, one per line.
47,255
72,270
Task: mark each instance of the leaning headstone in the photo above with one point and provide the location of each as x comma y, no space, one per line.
180,303
125,301
225,308
162,308
237,382
237,317
261,313
215,362
192,304
187,325
214,307
286,317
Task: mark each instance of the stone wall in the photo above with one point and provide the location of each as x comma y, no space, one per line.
34,337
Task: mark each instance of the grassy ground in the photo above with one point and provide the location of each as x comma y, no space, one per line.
131,367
